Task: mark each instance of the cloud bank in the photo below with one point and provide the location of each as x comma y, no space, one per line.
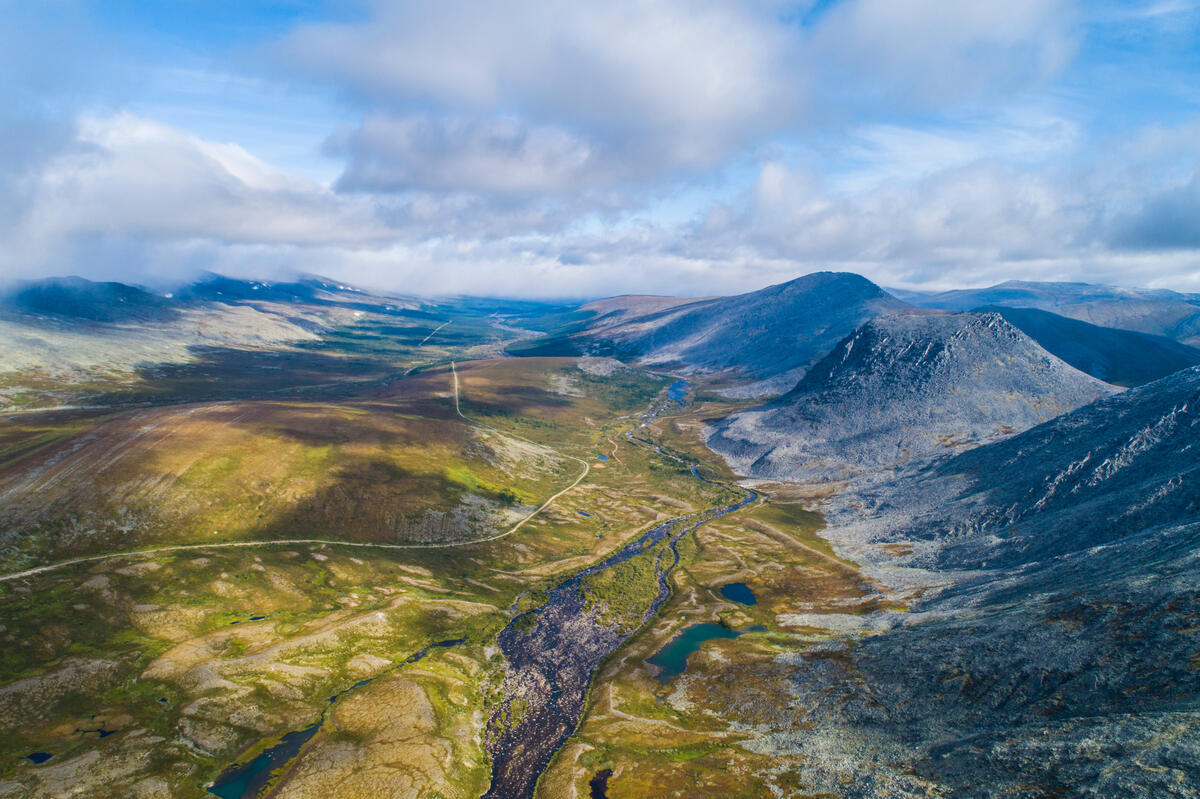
547,149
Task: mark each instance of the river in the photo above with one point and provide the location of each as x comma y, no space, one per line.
553,651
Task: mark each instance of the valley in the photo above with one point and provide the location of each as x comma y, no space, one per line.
407,563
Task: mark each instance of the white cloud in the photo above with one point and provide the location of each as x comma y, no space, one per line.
129,176
673,81
528,147
500,155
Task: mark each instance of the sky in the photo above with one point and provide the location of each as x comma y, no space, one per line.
569,150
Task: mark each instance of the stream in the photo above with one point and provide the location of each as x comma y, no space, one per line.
553,651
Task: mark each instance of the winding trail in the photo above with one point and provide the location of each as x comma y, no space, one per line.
300,541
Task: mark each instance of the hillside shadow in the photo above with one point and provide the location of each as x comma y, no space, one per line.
226,373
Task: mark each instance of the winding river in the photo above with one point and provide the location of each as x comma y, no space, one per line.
553,651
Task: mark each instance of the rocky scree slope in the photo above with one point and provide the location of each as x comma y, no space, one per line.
903,388
1110,469
1065,663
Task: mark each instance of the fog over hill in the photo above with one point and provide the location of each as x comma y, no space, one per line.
902,388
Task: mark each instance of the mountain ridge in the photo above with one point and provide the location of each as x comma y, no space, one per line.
903,388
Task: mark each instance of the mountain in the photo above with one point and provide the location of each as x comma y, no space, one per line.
902,388
1121,357
771,334
1159,312
68,340
312,290
1105,471
76,299
1065,659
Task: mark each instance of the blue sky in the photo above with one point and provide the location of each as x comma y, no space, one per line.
548,149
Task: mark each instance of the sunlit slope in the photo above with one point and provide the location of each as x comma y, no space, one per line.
771,335
194,660
361,471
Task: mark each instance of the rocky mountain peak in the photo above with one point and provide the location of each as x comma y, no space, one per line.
902,388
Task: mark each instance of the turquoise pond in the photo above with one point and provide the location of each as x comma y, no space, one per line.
671,660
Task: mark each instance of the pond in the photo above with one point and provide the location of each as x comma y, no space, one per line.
247,780
599,784
671,660
739,592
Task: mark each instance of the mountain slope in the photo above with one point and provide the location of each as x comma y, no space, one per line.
902,388
76,299
1158,312
1120,357
776,332
70,340
1065,660
1108,470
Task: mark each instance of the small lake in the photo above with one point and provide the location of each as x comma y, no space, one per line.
739,592
247,780
599,784
671,660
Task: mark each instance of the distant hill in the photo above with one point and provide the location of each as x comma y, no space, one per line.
903,388
311,290
1159,312
1121,357
67,340
74,298
776,332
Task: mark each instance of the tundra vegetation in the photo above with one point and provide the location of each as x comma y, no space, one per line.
150,673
